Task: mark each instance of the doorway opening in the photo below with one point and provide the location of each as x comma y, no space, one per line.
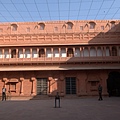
70,85
42,86
113,84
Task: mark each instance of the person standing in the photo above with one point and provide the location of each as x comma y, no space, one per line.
57,97
3,93
100,92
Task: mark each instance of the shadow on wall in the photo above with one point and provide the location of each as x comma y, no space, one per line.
107,37
107,41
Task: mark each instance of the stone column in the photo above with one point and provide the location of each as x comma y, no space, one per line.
38,52
89,51
96,51
31,53
73,52
59,49
62,84
82,83
49,90
66,52
83,48
21,86
52,52
78,84
33,86
3,52
23,52
17,53
80,51
102,51
10,53
45,53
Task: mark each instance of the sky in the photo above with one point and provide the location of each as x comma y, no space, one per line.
55,10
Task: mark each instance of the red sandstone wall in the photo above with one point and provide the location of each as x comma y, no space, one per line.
84,81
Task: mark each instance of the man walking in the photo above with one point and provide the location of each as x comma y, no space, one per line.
3,93
57,97
100,92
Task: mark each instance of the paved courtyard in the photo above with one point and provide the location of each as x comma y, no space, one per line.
71,109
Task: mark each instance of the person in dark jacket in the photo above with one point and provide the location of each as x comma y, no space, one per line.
100,92
57,97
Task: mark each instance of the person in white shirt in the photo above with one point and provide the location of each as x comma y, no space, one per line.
3,93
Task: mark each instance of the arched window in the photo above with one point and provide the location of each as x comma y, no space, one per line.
41,53
114,51
14,27
92,25
70,52
112,24
13,54
41,26
86,52
99,51
69,25
92,51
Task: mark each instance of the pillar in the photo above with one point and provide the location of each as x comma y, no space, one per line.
23,52
17,54
30,52
52,52
33,86
21,86
9,53
45,52
3,53
73,52
66,52
78,84
89,51
62,84
38,52
49,84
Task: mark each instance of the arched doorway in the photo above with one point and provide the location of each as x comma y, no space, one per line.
113,83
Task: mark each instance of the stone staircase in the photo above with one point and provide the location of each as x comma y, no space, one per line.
41,97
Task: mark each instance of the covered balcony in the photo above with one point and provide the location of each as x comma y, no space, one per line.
51,55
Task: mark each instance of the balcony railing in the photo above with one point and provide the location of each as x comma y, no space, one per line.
59,60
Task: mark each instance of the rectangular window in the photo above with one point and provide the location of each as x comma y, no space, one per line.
56,28
28,29
81,27
102,27
12,87
1,30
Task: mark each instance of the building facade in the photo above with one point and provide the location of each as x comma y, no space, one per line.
69,57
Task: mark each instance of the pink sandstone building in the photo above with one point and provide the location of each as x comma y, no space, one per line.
69,57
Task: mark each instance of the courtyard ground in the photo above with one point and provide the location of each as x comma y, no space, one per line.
88,108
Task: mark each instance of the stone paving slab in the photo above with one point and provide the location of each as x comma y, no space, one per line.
71,109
